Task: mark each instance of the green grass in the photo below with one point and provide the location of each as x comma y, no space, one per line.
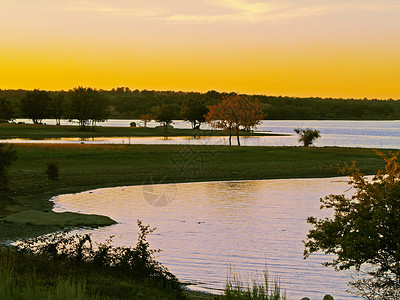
30,131
62,219
29,277
26,284
259,290
85,167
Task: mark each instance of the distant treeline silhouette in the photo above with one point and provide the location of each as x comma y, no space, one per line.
124,103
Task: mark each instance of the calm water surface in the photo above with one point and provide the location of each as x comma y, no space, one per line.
367,134
203,228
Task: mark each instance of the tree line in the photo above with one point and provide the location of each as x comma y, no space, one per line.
124,103
86,106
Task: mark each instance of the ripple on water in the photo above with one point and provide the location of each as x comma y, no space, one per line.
210,226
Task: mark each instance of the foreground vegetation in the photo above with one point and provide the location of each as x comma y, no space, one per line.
364,233
59,266
68,267
264,290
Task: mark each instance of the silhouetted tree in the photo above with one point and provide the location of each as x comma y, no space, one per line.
164,115
57,107
35,105
87,106
100,111
194,111
6,110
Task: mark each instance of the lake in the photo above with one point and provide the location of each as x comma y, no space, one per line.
203,228
366,134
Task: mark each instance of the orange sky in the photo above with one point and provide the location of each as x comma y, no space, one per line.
325,48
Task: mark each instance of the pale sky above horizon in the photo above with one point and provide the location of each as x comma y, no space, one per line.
327,48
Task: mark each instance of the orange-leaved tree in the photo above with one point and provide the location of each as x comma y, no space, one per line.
146,118
234,112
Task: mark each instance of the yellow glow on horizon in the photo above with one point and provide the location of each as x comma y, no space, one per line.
348,50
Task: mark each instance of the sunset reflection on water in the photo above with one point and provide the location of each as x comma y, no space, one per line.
208,226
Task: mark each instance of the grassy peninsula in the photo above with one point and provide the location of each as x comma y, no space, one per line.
39,131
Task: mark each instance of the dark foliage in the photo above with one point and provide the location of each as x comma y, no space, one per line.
88,106
164,115
130,104
138,262
7,156
194,111
35,105
307,136
52,171
57,107
365,231
7,112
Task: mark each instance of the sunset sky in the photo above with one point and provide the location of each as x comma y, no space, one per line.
327,48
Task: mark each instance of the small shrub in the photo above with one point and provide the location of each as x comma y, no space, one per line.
138,262
52,171
307,136
133,124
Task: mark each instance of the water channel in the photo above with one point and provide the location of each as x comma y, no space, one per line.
366,134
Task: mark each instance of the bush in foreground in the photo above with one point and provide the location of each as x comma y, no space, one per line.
101,271
365,231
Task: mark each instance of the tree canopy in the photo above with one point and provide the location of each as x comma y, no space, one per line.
194,110
146,118
57,107
130,104
364,232
233,112
88,106
35,105
164,115
6,110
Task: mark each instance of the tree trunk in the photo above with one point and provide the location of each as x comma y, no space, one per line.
230,136
165,131
237,135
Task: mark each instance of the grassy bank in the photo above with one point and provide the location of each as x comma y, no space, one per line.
30,131
85,167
